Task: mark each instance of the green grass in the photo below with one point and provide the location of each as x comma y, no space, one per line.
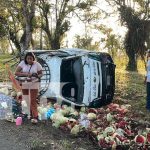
130,87
3,71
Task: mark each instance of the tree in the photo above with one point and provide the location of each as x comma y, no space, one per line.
28,10
18,21
57,15
138,24
85,43
111,41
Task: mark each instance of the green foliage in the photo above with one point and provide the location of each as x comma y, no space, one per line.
138,24
3,31
56,21
86,4
85,43
111,41
4,45
53,18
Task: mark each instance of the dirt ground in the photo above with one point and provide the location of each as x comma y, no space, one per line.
40,137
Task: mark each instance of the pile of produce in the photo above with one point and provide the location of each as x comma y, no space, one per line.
111,127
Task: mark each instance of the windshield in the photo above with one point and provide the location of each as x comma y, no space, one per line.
73,79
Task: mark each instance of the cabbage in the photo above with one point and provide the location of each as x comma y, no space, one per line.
91,116
65,111
109,117
75,113
4,91
42,110
59,120
83,109
100,136
75,130
55,115
109,130
39,108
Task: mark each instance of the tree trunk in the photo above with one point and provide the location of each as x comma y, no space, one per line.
15,40
28,14
132,63
26,38
55,44
41,39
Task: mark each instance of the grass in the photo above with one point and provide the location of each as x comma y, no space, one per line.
3,71
130,87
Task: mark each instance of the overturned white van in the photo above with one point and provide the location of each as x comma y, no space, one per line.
77,77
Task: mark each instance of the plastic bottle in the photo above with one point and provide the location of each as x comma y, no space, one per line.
19,121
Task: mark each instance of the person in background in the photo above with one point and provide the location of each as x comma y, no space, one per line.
30,71
147,81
